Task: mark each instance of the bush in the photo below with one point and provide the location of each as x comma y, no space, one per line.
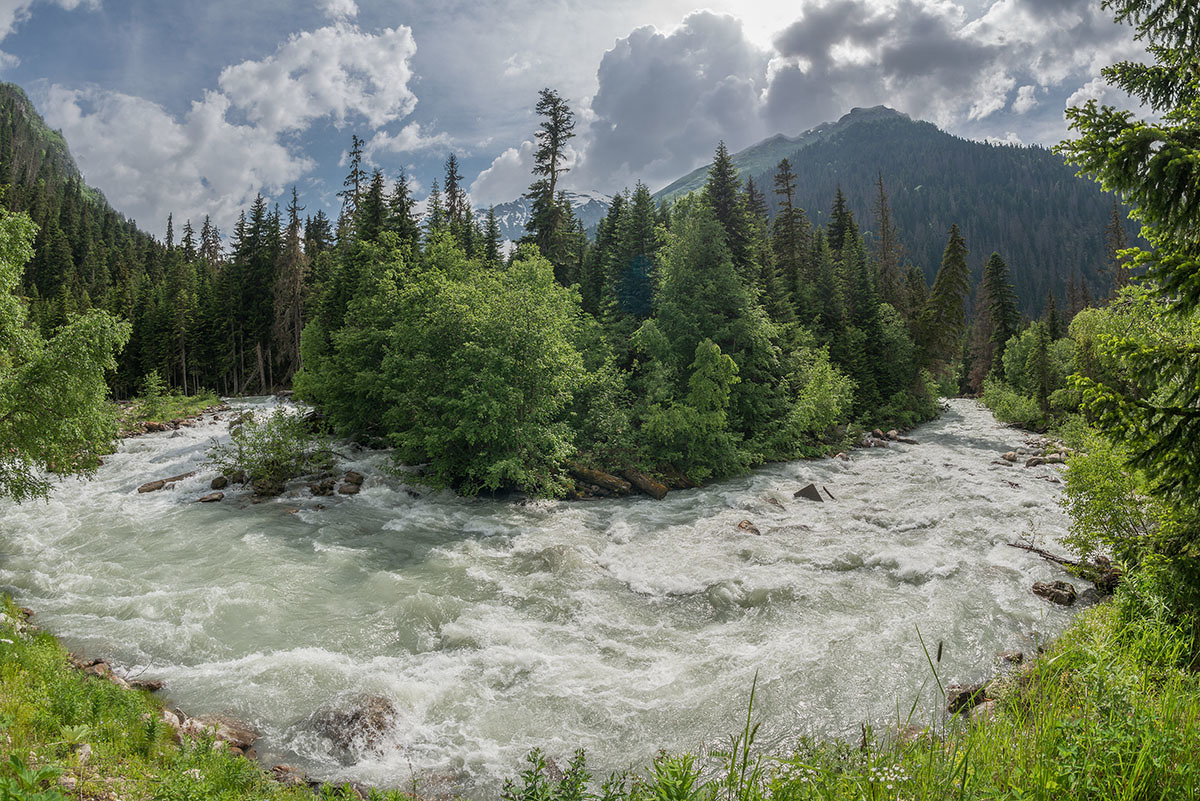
271,450
1010,406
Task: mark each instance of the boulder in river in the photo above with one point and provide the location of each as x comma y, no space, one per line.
748,527
220,482
652,487
325,486
222,729
1059,592
267,487
1035,461
893,435
810,492
212,497
358,727
154,486
354,478
349,489
1011,456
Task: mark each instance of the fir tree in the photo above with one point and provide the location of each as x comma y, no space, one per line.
943,317
1001,305
547,223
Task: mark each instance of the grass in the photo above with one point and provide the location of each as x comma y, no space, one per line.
65,735
1107,712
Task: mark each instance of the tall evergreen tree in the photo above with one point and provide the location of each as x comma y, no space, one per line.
724,195
1001,305
355,181
943,317
1116,241
888,251
548,223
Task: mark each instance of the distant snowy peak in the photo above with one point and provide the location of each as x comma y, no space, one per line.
512,216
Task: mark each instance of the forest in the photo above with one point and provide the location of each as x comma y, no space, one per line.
689,340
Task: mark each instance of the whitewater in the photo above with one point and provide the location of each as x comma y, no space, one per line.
622,626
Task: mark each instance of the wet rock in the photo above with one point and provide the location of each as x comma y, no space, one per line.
893,435
154,486
984,711
349,489
810,492
212,497
1010,657
323,487
1056,458
1035,461
843,457
748,527
220,482
1011,456
964,696
652,487
354,478
1059,592
771,499
226,730
289,776
267,487
598,477
877,434
907,441
357,728
149,685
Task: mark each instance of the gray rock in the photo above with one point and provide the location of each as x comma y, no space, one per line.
354,478
964,696
1059,592
748,527
349,489
810,492
1034,461
358,727
220,482
212,497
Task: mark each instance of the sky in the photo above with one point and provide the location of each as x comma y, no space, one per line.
194,108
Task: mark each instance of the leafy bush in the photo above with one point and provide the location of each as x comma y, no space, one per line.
269,451
1010,406
153,391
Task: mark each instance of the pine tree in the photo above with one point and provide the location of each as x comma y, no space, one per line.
355,181
1001,305
1053,319
548,223
790,243
943,317
723,193
491,239
372,211
1116,241
290,277
888,251
841,223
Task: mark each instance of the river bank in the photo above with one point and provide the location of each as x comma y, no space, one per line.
623,626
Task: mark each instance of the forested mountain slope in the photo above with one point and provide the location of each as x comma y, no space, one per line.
1023,202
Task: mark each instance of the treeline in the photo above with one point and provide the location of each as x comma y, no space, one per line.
1023,202
690,341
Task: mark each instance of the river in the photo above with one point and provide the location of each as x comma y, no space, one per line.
623,626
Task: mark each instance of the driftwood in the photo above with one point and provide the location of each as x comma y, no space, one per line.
1101,572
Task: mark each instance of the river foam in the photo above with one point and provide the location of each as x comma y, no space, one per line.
623,626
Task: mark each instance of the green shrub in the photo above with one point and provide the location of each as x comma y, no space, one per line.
272,450
1010,406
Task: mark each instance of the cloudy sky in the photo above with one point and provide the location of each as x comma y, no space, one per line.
192,108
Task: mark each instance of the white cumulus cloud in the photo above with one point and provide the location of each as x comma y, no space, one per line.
149,163
333,71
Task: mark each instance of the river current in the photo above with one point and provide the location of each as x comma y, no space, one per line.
623,626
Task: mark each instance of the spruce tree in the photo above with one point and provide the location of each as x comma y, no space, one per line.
888,251
723,193
355,181
548,223
1001,305
943,317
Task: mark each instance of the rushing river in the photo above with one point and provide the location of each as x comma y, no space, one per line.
623,626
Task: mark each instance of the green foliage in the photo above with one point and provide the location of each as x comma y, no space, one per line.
271,450
1010,406
54,417
480,370
152,392
27,784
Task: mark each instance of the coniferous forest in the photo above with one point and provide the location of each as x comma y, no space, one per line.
689,339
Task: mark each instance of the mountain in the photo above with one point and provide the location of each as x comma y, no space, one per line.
763,157
1023,202
590,207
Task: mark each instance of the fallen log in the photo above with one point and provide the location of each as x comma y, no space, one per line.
600,478
1103,573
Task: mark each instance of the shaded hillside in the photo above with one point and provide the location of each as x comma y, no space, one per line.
1023,202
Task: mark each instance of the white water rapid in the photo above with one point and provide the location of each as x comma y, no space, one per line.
623,626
